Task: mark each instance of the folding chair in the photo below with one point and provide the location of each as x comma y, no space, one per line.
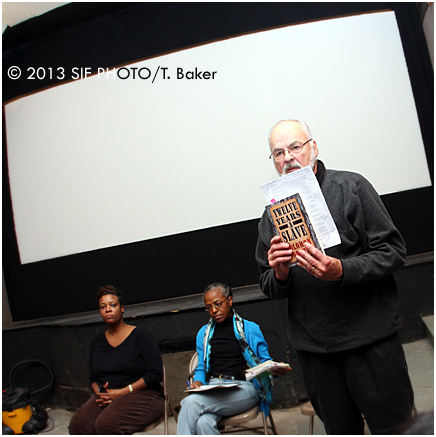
168,410
307,410
235,423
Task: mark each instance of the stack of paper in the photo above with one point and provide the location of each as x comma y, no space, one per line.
207,387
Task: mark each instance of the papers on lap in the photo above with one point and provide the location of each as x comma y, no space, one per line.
266,367
207,387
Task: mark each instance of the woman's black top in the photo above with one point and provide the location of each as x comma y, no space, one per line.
137,356
226,355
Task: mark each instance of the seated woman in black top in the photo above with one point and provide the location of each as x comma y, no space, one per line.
125,372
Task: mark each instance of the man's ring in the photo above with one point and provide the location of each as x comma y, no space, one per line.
313,268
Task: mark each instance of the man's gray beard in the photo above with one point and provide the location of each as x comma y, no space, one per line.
297,165
290,167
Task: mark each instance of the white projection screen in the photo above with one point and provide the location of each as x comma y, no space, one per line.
103,161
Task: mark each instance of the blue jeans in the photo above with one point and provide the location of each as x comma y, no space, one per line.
201,412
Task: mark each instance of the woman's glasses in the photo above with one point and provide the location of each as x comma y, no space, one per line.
215,305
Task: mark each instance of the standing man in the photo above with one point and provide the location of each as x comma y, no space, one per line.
342,306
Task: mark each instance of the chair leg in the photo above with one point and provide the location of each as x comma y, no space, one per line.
173,412
273,425
166,418
265,427
312,418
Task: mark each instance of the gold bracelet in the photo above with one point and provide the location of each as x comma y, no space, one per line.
130,387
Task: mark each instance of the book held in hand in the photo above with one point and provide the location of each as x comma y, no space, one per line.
292,224
267,366
304,182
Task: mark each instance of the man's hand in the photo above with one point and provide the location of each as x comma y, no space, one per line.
319,265
278,255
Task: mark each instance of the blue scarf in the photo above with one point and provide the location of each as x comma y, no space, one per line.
262,383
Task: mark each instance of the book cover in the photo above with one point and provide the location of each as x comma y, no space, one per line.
292,223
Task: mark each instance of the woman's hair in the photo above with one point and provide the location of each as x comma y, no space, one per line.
110,289
227,291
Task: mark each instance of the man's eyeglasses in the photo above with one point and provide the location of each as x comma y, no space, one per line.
280,154
215,305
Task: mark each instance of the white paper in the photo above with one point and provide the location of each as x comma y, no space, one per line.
206,387
304,181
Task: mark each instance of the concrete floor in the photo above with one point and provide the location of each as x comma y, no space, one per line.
290,421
